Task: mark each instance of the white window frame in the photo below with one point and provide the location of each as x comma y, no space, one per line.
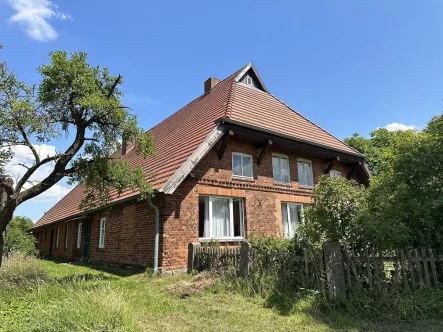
66,236
292,233
56,241
231,217
79,234
312,173
252,165
281,156
102,231
249,81
334,173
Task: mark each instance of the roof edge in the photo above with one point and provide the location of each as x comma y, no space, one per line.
179,176
294,138
251,66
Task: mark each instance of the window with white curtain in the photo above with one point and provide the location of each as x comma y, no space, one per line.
305,174
292,216
280,169
79,234
56,241
101,242
334,174
66,236
221,217
241,165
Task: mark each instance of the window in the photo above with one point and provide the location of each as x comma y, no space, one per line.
305,176
66,236
242,165
221,217
334,174
292,216
249,81
280,169
101,242
79,235
56,241
46,235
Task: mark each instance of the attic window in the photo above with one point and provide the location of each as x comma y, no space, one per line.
249,81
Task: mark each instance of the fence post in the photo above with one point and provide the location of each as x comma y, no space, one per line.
245,248
335,275
192,248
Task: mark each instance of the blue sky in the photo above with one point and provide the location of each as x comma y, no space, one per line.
349,66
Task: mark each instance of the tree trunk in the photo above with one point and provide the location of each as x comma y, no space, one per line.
7,208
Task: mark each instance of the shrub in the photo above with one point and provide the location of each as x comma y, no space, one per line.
18,239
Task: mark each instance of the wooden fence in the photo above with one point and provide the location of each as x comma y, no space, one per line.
334,270
400,270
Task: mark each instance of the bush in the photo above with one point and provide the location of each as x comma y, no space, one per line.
18,239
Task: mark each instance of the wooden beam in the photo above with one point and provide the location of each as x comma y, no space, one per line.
264,148
331,163
221,152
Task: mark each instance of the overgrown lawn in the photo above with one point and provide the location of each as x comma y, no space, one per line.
37,295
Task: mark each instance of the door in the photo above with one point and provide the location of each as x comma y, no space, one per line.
51,242
86,246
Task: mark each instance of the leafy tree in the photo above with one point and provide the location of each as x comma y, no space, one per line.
335,212
80,104
18,238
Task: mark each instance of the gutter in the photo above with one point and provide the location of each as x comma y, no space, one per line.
250,126
157,235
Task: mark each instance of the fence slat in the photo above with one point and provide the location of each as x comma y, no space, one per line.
425,265
404,271
434,270
418,265
411,270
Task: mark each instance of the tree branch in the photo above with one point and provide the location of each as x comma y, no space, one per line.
116,82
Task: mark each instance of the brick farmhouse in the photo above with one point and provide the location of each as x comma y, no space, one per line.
235,161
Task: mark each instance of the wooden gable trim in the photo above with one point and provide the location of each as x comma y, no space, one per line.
264,149
175,180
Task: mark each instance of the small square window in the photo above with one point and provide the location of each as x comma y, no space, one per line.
334,174
249,81
242,165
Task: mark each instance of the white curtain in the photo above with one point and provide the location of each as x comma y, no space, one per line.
220,217
293,215
285,219
206,230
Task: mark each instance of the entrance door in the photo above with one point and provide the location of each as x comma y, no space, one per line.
51,240
86,246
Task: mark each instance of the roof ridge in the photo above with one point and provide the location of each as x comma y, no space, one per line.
230,100
195,99
304,117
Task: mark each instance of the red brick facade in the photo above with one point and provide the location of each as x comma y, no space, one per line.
129,236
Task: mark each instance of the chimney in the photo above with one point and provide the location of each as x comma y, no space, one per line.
210,83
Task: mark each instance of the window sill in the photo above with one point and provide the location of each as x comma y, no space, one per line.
242,178
223,239
285,184
306,187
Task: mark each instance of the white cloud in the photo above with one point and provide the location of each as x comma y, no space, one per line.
34,16
399,126
24,156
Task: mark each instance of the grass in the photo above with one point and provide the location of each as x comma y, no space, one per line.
37,295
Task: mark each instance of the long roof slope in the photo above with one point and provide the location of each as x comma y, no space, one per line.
178,136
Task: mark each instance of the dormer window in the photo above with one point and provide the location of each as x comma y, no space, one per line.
249,81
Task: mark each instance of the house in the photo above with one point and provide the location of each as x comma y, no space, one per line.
233,162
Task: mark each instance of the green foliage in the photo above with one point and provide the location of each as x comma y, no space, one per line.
335,212
81,104
18,239
405,198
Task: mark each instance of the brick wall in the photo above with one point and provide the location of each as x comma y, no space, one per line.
261,195
129,238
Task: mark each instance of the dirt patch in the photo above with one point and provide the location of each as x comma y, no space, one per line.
197,285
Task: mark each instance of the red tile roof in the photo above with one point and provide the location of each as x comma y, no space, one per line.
178,136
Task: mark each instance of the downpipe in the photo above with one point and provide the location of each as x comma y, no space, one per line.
157,235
